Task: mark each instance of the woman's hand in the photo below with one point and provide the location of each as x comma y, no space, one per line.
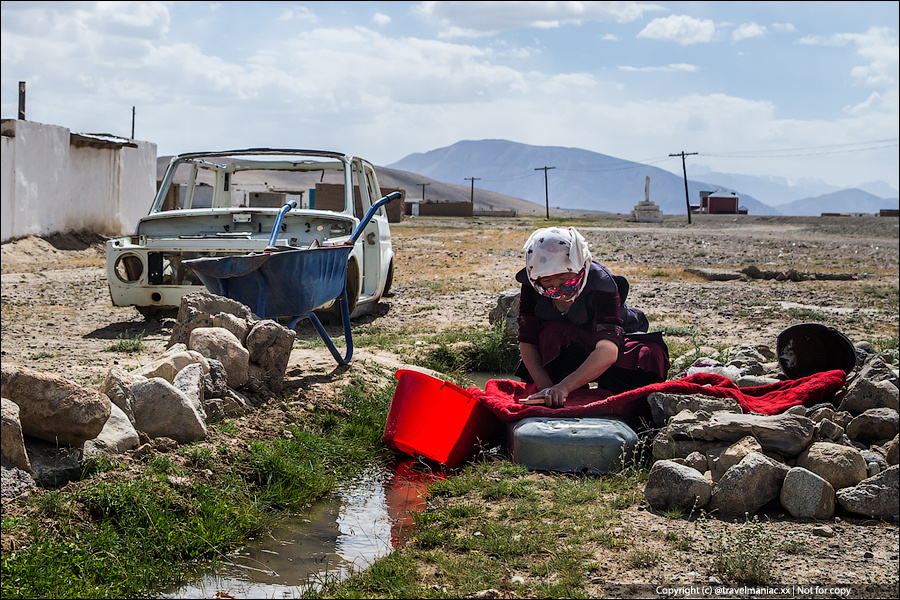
553,396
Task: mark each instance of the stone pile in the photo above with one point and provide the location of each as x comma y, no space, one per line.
809,460
219,356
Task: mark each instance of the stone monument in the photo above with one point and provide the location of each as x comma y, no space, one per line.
646,211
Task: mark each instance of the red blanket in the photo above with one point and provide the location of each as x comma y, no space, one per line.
502,396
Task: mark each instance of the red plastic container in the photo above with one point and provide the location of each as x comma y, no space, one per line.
436,419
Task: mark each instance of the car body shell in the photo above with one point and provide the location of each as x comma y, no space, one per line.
226,203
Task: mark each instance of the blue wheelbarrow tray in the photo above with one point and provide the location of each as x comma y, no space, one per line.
284,283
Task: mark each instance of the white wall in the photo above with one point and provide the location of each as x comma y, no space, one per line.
51,186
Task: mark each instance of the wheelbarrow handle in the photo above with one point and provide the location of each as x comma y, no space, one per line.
365,220
284,210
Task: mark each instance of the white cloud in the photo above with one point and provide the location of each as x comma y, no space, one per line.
878,46
298,13
747,31
784,27
666,68
470,19
681,29
381,19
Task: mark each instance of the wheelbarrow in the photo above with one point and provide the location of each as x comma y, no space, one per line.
289,282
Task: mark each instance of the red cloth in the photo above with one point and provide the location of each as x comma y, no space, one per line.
502,396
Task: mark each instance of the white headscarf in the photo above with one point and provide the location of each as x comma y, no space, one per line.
555,250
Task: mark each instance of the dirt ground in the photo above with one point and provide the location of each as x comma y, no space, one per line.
57,317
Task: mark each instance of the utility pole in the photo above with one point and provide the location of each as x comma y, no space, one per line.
546,189
687,201
472,196
424,185
132,122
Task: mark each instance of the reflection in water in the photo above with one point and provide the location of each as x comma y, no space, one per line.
338,535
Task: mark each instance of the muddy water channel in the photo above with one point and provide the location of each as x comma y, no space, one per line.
363,521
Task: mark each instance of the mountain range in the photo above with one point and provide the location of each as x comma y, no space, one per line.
503,174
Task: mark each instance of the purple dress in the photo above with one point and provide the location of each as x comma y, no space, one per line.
598,313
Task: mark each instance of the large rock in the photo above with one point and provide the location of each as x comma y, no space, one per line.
54,409
222,345
192,383
269,345
12,450
806,495
117,437
117,386
785,434
863,394
877,497
841,466
672,486
507,311
161,410
663,406
203,309
747,486
874,425
171,363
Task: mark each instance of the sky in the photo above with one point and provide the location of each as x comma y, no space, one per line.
790,90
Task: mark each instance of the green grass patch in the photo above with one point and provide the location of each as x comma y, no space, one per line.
128,345
121,536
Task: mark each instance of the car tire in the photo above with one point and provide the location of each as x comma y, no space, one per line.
333,314
389,280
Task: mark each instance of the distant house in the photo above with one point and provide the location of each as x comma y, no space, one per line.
720,202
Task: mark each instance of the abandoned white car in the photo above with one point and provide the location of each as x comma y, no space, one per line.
216,204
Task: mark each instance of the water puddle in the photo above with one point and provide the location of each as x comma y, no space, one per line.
479,378
339,535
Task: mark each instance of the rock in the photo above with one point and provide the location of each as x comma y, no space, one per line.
13,448
269,346
215,383
117,387
117,437
829,431
507,311
842,418
14,481
202,309
747,486
671,486
875,370
663,406
698,461
806,495
222,345
892,452
190,381
54,409
820,412
746,381
160,409
169,364
736,452
874,425
841,466
876,497
784,433
865,394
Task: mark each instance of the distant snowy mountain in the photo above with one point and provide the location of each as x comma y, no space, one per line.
578,179
843,201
